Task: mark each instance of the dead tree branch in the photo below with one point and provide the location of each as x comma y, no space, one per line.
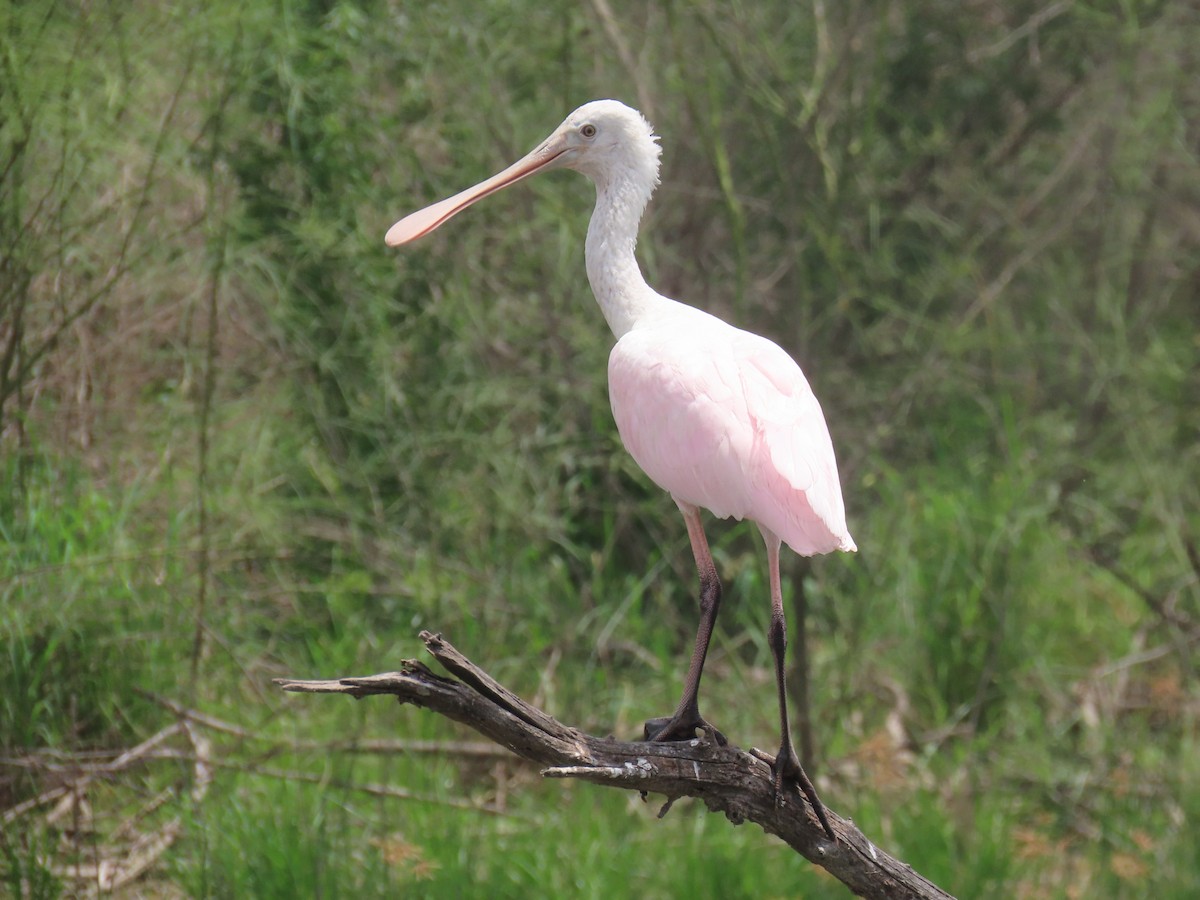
727,779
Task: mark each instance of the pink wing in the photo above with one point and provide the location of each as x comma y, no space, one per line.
725,420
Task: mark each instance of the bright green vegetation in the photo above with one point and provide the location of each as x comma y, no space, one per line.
223,401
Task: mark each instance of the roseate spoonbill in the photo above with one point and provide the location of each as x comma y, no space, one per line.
720,418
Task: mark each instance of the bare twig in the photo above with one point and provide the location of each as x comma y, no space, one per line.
729,780
616,36
127,852
1029,28
382,746
361,787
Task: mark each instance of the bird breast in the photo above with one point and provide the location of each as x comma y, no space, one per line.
725,420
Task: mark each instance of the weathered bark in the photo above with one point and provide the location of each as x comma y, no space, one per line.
727,779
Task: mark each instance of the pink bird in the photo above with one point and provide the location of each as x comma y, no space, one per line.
720,418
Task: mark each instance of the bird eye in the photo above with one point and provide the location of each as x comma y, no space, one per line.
588,130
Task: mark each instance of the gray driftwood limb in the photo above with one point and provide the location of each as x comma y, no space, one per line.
729,780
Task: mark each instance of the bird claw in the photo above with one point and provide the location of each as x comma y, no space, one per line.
787,767
662,730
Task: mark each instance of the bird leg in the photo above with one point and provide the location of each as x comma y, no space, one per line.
683,724
787,763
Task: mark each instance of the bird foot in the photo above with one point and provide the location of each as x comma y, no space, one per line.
786,767
680,728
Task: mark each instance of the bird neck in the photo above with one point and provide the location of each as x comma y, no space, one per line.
612,268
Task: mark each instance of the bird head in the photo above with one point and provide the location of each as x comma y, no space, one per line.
604,139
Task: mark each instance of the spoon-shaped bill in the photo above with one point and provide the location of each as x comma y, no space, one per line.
423,221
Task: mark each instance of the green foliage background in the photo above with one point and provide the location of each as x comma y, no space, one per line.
242,439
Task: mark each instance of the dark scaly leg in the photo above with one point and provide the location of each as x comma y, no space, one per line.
683,724
787,763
